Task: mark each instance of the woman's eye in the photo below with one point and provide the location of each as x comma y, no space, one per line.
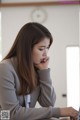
41,49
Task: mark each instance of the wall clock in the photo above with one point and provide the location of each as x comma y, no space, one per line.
39,15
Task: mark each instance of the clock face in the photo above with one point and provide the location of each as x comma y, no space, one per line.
39,15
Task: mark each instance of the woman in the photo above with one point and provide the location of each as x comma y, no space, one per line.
25,77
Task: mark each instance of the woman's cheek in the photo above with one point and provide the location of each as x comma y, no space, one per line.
36,60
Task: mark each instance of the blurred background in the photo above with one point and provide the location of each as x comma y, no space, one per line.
62,18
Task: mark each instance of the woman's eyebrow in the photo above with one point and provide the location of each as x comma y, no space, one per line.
44,46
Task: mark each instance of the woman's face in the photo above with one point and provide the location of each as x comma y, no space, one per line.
40,50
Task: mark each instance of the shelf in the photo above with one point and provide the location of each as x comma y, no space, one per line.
23,4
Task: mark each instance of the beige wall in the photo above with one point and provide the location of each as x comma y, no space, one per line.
79,55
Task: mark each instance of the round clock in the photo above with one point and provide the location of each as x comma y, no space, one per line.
39,15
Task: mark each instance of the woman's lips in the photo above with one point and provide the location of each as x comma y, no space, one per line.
44,60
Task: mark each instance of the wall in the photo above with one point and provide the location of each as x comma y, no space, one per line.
62,21
11,1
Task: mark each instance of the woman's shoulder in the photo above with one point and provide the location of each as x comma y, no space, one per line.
7,64
7,71
8,75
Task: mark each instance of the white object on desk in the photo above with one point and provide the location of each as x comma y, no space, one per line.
27,100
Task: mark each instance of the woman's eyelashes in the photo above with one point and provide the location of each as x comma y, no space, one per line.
41,49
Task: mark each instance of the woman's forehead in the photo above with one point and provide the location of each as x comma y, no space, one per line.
45,41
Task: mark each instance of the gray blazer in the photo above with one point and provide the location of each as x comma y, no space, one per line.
10,100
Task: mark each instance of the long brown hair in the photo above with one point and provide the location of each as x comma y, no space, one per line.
29,35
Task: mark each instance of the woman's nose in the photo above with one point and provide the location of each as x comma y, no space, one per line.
45,52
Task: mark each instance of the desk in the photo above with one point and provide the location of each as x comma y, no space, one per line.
51,119
62,118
